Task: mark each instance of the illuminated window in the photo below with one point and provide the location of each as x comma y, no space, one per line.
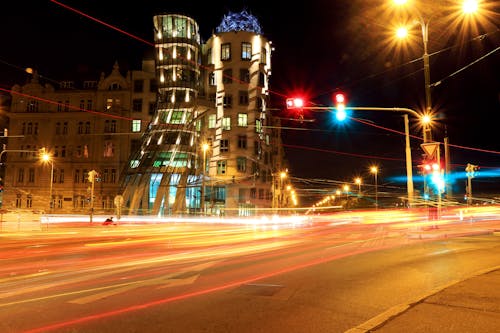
225,52
136,125
246,51
258,126
212,121
242,119
221,167
176,117
226,123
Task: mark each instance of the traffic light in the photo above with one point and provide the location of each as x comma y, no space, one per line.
294,103
471,170
340,113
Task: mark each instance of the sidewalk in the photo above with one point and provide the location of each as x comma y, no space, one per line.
471,305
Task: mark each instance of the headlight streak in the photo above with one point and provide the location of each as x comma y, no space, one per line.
293,249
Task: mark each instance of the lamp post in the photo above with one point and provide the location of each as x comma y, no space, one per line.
283,175
374,170
204,148
48,159
468,7
357,180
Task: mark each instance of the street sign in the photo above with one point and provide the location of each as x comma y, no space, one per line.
430,148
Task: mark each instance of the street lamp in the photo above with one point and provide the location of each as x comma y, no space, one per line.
48,159
283,175
374,170
204,148
468,7
357,180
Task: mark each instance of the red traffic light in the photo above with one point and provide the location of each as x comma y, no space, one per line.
294,103
339,98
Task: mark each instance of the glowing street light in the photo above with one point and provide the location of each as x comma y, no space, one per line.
374,170
468,7
48,159
357,181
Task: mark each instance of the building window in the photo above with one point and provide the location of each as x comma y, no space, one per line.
209,57
228,101
110,126
211,79
224,145
244,75
262,79
253,193
221,167
61,176
258,126
242,119
136,125
18,201
31,175
152,108
212,121
241,163
82,104
246,51
20,175
113,176
109,149
226,123
263,56
87,127
137,105
76,179
153,85
227,76
243,97
225,52
65,128
80,127
89,104
242,141
29,201
138,85
58,128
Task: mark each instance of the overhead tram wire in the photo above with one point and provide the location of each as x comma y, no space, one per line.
236,79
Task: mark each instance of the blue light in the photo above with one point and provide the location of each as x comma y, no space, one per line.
341,115
242,21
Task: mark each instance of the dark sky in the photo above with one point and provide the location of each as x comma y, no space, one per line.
322,46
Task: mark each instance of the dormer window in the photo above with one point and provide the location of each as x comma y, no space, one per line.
114,86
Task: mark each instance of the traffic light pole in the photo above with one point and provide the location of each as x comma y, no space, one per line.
409,172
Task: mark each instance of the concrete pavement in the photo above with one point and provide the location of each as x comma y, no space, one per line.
470,305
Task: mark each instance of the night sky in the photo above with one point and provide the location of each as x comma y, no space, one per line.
320,47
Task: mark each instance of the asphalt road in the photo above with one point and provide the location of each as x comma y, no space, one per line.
327,276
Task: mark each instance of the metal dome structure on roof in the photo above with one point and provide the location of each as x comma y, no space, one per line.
242,21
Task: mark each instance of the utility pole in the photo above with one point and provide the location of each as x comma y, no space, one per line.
471,173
